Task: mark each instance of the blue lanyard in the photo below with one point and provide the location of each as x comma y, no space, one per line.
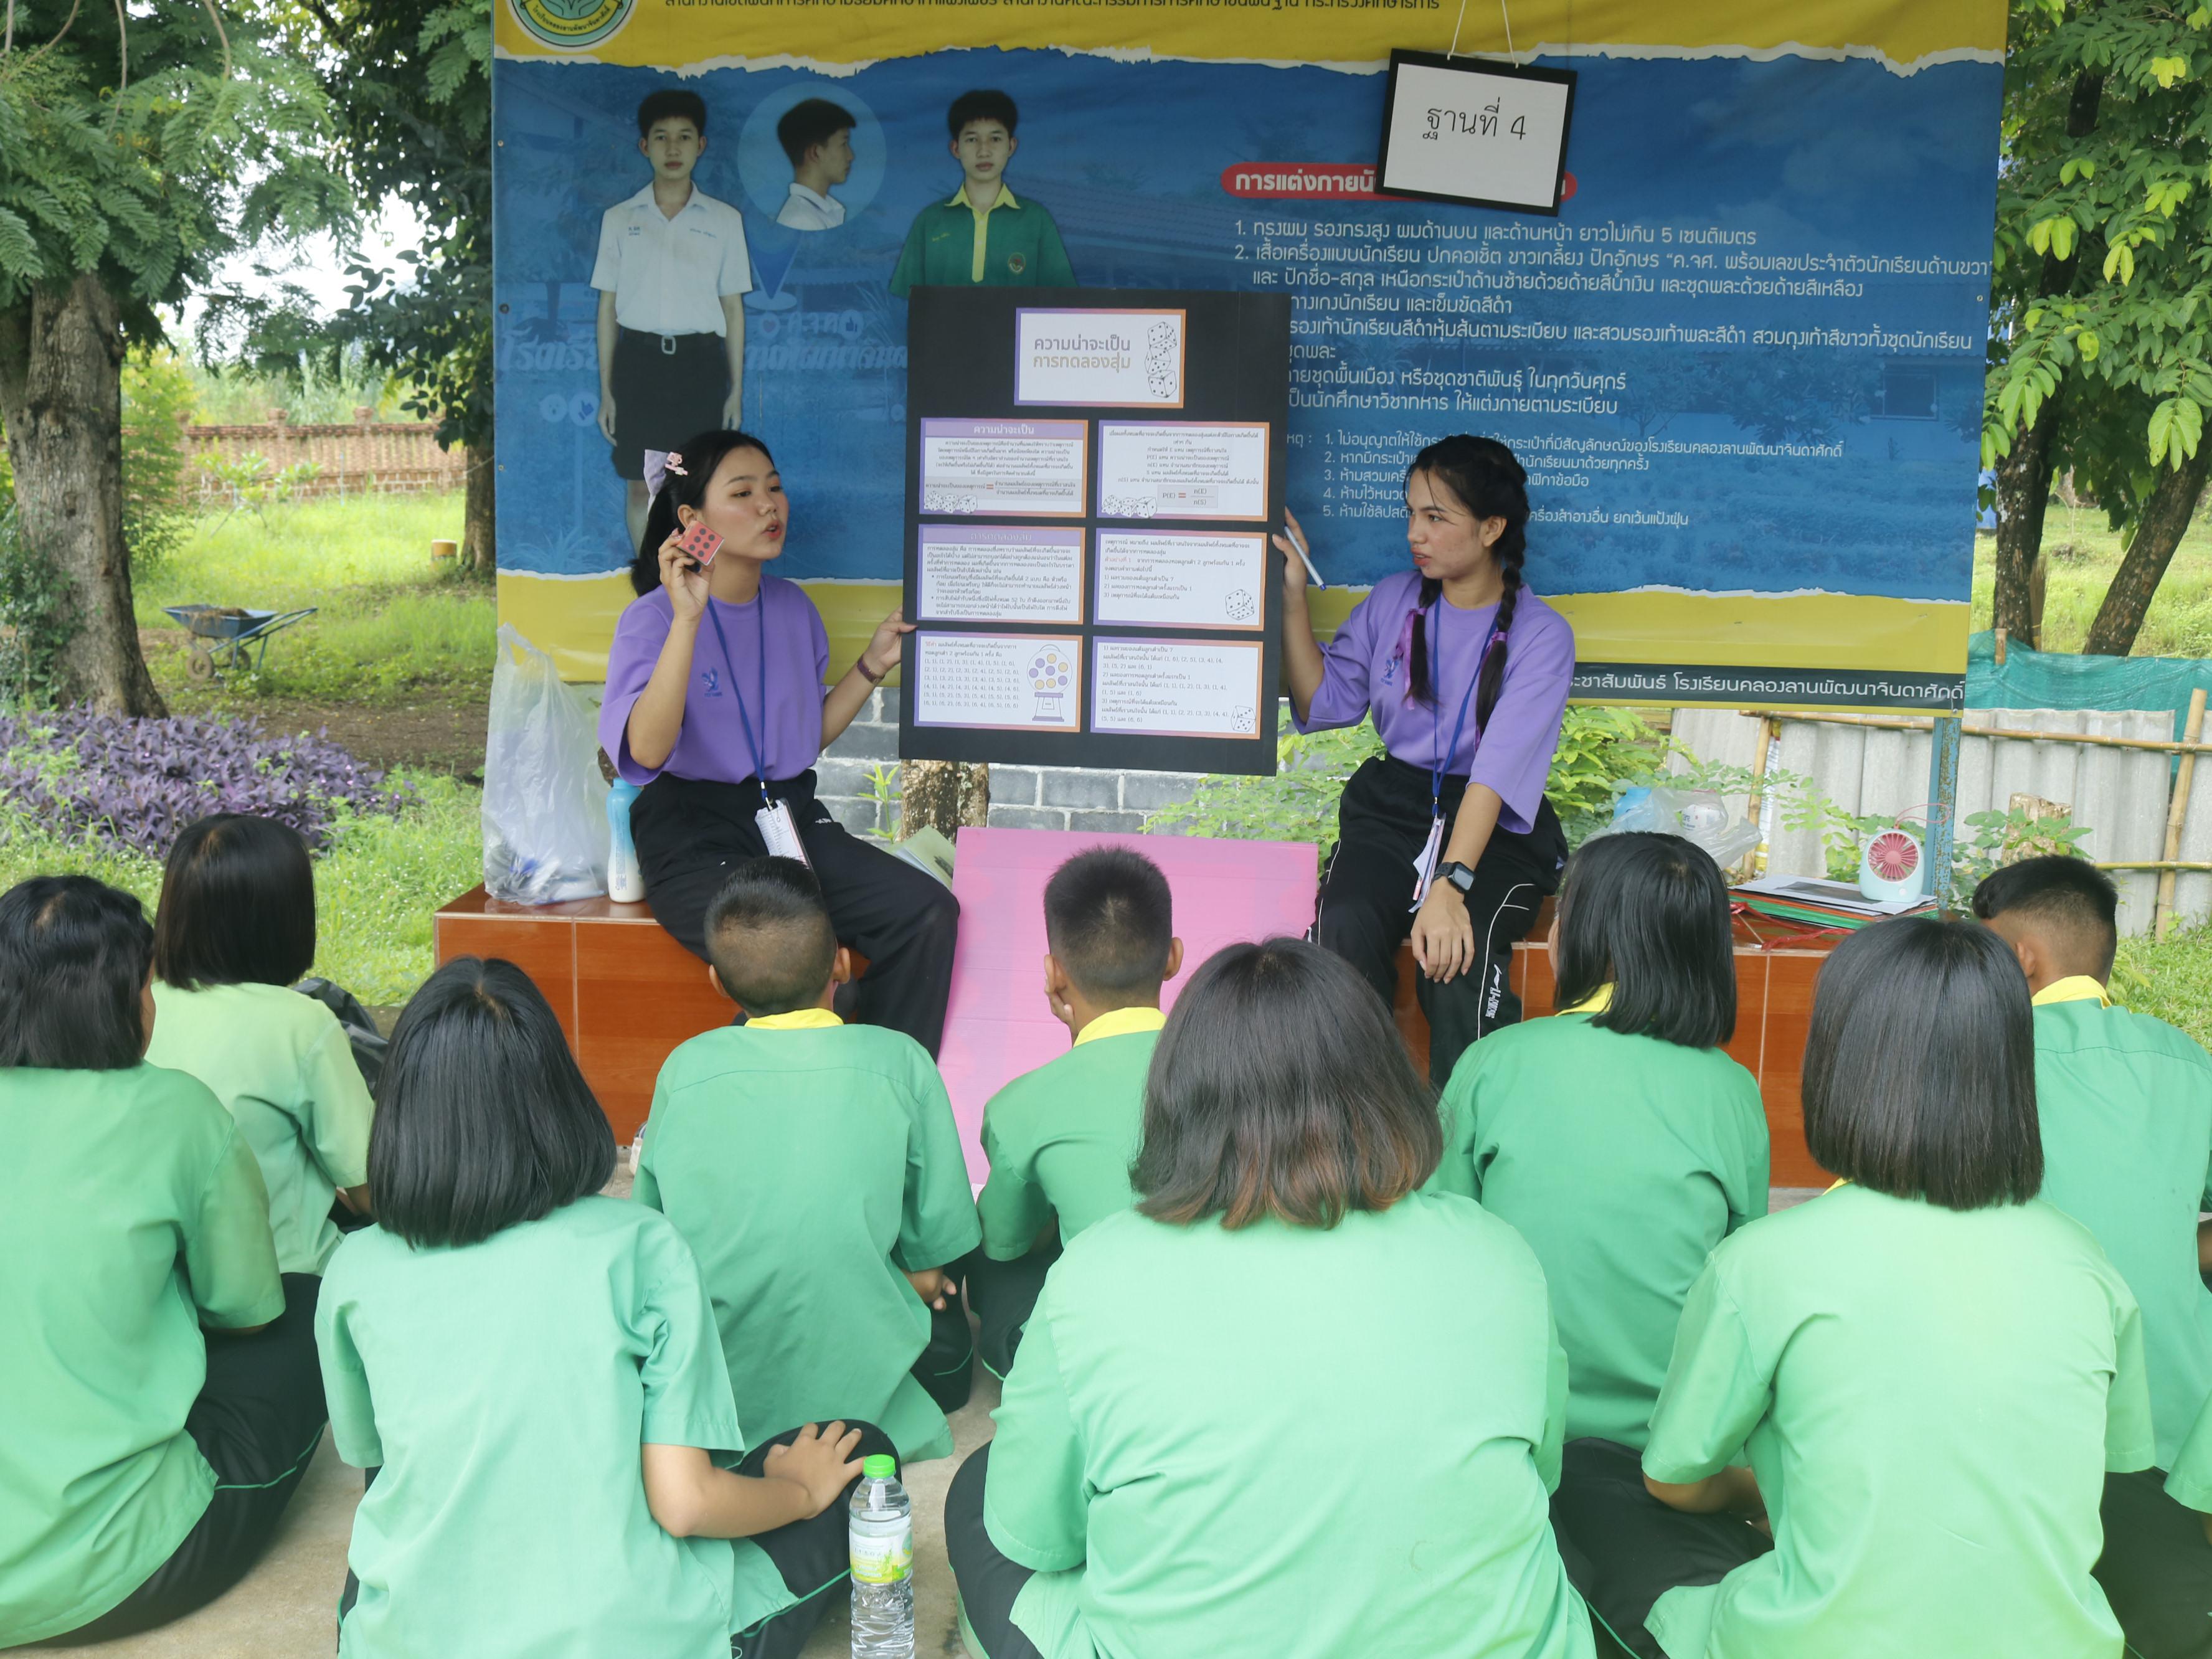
744,720
1458,726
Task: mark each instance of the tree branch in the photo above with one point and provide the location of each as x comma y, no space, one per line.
123,51
58,32
322,15
221,33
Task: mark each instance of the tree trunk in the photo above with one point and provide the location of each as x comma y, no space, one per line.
479,548
2165,516
61,399
945,795
2023,498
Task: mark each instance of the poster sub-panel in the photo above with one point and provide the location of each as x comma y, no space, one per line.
1181,579
1099,357
1182,470
998,682
1180,688
1035,468
998,572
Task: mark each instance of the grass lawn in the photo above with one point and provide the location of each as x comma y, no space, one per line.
2083,555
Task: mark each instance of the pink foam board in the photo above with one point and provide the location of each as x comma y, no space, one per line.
997,1026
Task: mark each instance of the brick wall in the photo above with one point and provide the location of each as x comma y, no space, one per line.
1022,797
354,457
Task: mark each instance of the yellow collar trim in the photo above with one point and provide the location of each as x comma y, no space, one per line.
799,1019
1120,1022
2076,987
1006,199
1596,1003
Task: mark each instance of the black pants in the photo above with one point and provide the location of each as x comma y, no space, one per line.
688,833
811,1555
2156,1569
257,1421
668,389
947,1366
1365,912
987,1581
1004,1295
1624,1549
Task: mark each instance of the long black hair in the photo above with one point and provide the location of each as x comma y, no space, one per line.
700,455
1650,913
1489,482
74,956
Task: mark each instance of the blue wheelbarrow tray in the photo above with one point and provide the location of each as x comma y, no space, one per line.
229,633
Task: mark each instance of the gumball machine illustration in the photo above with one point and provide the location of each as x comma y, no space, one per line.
1050,675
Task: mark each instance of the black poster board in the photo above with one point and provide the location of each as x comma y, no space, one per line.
1141,660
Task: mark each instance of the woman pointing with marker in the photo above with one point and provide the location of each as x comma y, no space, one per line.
1448,836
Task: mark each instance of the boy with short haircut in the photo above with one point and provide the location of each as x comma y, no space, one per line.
2125,1105
982,236
673,274
1061,1138
816,1171
816,136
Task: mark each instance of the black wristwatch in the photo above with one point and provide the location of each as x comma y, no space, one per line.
1458,875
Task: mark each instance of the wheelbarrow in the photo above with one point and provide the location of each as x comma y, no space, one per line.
225,637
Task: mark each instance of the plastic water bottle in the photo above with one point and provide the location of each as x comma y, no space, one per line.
625,882
881,1535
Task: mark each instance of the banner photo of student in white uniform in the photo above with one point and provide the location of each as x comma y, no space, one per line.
1742,364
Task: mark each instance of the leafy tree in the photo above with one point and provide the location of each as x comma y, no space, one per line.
2103,288
139,145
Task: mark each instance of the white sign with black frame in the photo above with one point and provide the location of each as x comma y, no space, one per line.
1477,130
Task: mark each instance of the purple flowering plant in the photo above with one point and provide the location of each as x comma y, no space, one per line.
124,782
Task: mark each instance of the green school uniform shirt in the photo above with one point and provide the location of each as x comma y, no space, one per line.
1061,1138
2125,1102
131,1211
282,1064
1011,244
1289,1441
807,1164
2190,1482
1622,1160
504,1389
1931,1400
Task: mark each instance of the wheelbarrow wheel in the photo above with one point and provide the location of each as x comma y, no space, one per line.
201,665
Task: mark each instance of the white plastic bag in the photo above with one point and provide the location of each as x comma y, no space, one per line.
545,831
1697,815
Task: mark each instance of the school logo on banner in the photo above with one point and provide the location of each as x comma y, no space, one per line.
572,24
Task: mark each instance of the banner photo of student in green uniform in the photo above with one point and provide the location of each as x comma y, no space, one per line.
1742,365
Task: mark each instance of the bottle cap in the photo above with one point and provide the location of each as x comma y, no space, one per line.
879,1467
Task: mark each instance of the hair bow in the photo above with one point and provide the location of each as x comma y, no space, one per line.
661,465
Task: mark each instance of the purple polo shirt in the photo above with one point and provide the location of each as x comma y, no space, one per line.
710,747
1365,667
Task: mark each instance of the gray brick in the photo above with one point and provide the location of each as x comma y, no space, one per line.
859,742
857,816
1013,785
1118,824
1026,818
1145,792
1074,786
834,776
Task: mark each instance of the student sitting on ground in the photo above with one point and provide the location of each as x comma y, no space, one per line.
1288,1404
1621,1143
816,1171
1061,1138
1931,1371
531,1373
236,928
158,1393
2125,1105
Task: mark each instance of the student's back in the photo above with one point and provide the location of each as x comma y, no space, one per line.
1931,1399
503,1387
798,1161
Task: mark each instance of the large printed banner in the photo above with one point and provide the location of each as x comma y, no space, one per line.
1743,365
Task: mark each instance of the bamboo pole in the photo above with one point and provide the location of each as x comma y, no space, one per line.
1909,723
2177,817
2153,864
1755,800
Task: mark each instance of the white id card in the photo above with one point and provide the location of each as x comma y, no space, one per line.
780,834
1425,867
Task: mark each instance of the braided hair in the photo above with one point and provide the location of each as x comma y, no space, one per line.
702,455
1482,474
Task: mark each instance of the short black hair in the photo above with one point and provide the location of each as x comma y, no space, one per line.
74,956
679,101
483,1119
983,104
1109,919
1919,1075
1650,914
769,937
238,905
809,121
1280,1089
2068,897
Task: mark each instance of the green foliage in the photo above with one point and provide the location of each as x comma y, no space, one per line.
2171,982
312,391
254,485
36,614
2102,282
2083,555
1601,751
1298,804
157,398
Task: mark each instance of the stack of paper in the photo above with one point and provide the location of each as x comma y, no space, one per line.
1822,903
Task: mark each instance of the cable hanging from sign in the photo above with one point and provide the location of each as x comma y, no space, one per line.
1453,51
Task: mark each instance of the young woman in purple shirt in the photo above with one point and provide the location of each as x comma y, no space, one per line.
714,705
1465,673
